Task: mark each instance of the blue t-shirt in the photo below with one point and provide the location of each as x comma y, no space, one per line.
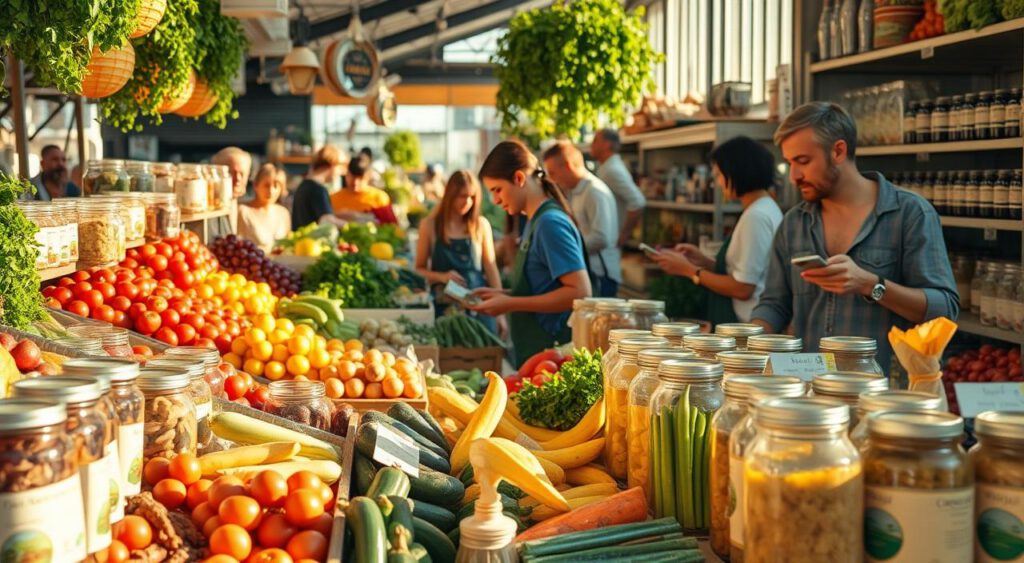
555,250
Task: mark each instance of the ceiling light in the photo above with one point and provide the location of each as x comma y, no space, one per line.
301,66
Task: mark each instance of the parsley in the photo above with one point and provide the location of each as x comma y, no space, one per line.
353,278
20,301
563,401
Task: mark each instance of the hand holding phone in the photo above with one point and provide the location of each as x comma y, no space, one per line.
461,295
809,261
649,250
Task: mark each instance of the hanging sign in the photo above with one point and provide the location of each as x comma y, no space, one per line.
383,109
352,64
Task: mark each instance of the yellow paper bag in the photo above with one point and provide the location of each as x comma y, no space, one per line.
919,351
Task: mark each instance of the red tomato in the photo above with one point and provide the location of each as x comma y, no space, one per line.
106,289
196,320
93,298
142,350
48,291
170,318
147,250
223,343
157,262
130,262
167,336
66,282
540,379
210,332
80,276
185,334
121,320
121,303
204,343
235,386
156,303
81,288
103,313
77,307
52,303
135,310
62,294
547,366
147,323
164,250
184,279
127,289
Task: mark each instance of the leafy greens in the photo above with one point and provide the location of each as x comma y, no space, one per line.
20,300
563,401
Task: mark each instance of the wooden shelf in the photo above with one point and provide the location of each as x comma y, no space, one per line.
957,146
970,323
195,217
135,243
976,223
293,159
699,134
692,207
60,271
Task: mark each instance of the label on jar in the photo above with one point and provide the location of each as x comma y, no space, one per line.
72,230
997,115
137,223
736,527
1001,196
923,123
981,114
112,454
64,235
957,194
42,239
129,457
192,194
96,494
43,524
940,122
954,120
203,410
918,525
1000,521
1012,115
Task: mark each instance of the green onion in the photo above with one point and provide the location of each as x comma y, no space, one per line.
599,537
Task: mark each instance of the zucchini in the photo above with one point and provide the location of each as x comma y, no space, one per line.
455,535
440,517
363,474
370,545
407,415
402,428
433,424
440,548
436,487
387,482
400,547
420,553
366,441
400,515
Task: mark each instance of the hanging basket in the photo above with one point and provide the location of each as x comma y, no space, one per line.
173,104
150,14
108,72
202,101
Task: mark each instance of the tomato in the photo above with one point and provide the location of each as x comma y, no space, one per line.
204,343
170,493
177,265
184,279
48,291
155,470
136,309
327,496
164,250
147,250
323,524
157,262
258,396
106,289
142,350
117,552
80,276
185,334
62,294
223,488
195,320
130,261
93,298
169,318
303,506
223,343
303,480
103,313
547,366
121,320
269,488
167,336
210,332
309,544
235,387
272,555
78,308
127,289
121,303
231,539
147,323
540,379
52,303
134,532
81,288
27,355
185,468
156,303
241,510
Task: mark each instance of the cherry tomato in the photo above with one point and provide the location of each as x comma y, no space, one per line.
204,343
303,506
142,350
127,289
156,303
164,249
223,343
134,532
52,303
121,320
117,552
80,276
148,322
177,265
167,336
62,294
136,309
304,480
170,318
131,261
170,493
77,307
147,250
185,334
185,468
184,279
106,289
235,387
241,510
195,320
103,275
120,303
231,539
157,262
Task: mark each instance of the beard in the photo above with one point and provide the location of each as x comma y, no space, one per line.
813,192
55,175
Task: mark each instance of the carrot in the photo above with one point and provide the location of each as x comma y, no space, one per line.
622,508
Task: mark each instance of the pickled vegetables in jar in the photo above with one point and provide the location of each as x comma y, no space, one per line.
616,399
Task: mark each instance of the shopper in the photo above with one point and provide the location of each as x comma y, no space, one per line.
433,184
359,198
593,205
550,268
262,220
745,170
629,201
53,180
239,163
886,259
311,202
456,244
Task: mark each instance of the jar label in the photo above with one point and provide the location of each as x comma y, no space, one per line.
1012,115
43,524
1001,196
129,457
736,528
986,194
997,115
97,489
954,120
923,123
117,496
73,241
43,244
940,122
999,524
1014,196
918,525
137,223
981,114
203,410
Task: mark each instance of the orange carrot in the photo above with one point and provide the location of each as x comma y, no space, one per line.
622,508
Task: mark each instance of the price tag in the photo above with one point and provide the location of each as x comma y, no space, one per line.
927,52
396,450
804,366
975,398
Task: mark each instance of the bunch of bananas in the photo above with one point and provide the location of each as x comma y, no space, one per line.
321,313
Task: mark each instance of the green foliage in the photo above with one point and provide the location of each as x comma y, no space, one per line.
1011,9
563,67
962,14
682,298
403,149
353,278
20,300
220,44
363,235
563,401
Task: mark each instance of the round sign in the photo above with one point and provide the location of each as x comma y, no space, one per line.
383,109
356,66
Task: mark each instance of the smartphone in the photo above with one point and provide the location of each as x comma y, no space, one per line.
649,250
460,294
809,261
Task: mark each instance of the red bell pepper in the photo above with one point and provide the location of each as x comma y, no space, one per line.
513,383
526,370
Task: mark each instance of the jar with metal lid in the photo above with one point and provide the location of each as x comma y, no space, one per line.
998,462
584,311
956,104
211,363
910,123
191,186
89,176
140,177
1011,123
305,402
1016,196
741,437
940,120
115,340
638,428
890,400
616,400
775,344
163,217
972,193
997,114
986,201
687,397
940,192
708,346
967,117
226,188
198,392
127,407
917,481
39,478
852,353
923,122
68,208
801,474
1006,294
743,363
675,331
101,233
982,113
847,387
610,358
170,415
113,177
47,237
1001,194
163,177
610,315
740,331
84,345
648,313
89,430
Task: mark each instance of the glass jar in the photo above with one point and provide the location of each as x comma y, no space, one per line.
967,117
140,177
609,359
212,175
580,336
977,283
610,315
84,345
918,483
1011,127
956,106
675,331
68,208
127,406
170,415
226,189
47,237
940,192
1005,297
740,331
893,400
998,462
616,399
774,344
997,114
982,111
114,339
990,294
910,123
192,189
689,390
89,431
304,402
133,213
198,391
957,193
163,177
972,194
986,198
847,388
1001,194
163,217
113,177
802,473
101,234
940,120
211,363
708,346
648,313
923,122
1016,211
743,363
39,477
852,353
89,176
1018,308
638,427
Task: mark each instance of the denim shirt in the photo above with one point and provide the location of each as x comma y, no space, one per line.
901,241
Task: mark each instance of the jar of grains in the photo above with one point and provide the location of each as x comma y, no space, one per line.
616,400
998,461
170,415
101,233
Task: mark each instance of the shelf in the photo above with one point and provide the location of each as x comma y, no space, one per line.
970,323
701,134
60,271
975,223
196,217
692,207
135,243
293,159
956,146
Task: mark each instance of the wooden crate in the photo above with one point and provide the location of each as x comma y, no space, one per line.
336,544
456,358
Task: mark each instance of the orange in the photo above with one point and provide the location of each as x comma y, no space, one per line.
303,507
239,346
231,539
156,470
265,322
328,372
354,344
253,367
413,389
304,330
393,387
304,480
240,510
373,356
309,544
335,388
185,468
373,391
354,356
279,336
285,324
269,488
354,388
202,513
299,345
319,358
335,344
170,493
273,370
223,488
346,370
255,335
234,359
388,359
275,531
262,351
297,365
375,372
280,353
319,342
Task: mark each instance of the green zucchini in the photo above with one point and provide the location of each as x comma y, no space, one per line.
422,441
389,481
443,518
455,535
367,524
420,553
440,548
407,415
400,546
436,488
363,474
434,425
401,515
366,442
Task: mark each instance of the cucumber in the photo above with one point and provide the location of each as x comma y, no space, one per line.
363,474
407,415
370,545
387,482
420,553
440,517
422,441
432,423
401,515
366,441
436,488
440,548
455,535
400,547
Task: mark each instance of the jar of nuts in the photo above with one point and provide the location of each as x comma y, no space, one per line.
198,391
675,331
616,400
919,487
39,478
889,401
740,331
998,460
847,388
170,415
708,346
610,315
305,402
211,363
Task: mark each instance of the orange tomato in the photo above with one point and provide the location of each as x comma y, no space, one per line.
275,531
297,365
309,544
197,493
393,387
223,488
156,470
375,371
413,389
185,468
232,540
303,480
373,391
269,488
302,507
319,358
328,372
241,510
202,513
134,532
327,496
211,525
323,524
170,493
273,370
272,555
373,356
335,388
117,552
354,388
346,370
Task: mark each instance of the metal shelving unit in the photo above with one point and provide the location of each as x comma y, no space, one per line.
931,148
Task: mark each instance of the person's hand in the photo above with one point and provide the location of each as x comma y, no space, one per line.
841,276
694,255
674,263
502,321
494,304
453,276
486,292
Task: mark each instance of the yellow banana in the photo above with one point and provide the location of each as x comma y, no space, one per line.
461,408
506,460
485,419
535,432
585,429
541,513
588,475
575,456
576,492
554,472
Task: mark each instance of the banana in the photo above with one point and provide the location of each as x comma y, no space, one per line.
588,475
575,456
484,421
309,311
585,429
330,307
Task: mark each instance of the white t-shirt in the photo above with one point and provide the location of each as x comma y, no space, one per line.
747,258
264,229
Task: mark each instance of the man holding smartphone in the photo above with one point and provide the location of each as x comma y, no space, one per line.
885,258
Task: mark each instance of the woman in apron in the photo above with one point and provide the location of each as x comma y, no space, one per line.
456,244
734,279
550,269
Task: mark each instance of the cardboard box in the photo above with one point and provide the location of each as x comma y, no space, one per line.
487,359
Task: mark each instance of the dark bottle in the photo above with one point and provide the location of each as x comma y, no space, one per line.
981,116
956,194
1001,194
956,106
923,122
1012,121
986,197
1016,196
928,186
909,123
972,193
940,120
940,191
967,117
997,115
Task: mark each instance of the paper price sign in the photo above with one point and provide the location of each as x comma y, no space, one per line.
976,398
804,366
396,450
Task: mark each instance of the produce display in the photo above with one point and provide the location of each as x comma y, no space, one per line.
240,256
465,331
560,400
20,302
986,364
355,279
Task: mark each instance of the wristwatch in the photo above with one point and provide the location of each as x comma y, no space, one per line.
877,292
695,278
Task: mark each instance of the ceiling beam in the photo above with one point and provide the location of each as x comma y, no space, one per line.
370,13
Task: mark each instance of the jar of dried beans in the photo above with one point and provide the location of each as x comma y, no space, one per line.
170,415
304,402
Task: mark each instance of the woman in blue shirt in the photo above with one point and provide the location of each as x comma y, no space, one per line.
550,269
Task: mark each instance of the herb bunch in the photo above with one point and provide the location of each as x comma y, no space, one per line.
353,278
21,303
563,400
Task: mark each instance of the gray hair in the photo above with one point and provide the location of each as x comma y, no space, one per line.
829,121
612,136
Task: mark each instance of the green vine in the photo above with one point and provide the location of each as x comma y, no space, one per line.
403,149
220,44
563,67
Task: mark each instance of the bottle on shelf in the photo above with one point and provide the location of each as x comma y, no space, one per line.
1015,197
982,113
910,123
956,106
835,34
1001,194
997,114
824,48
865,25
923,122
1012,122
940,120
967,117
848,27
940,192
990,294
985,198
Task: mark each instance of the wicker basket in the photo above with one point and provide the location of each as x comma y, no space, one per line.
202,101
108,72
173,104
150,14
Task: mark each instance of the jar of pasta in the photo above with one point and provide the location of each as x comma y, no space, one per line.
211,364
675,331
852,353
847,387
163,217
610,315
170,415
708,346
198,392
743,363
133,213
140,177
101,233
191,186
611,357
919,488
648,312
998,460
890,400
163,177
304,402
803,484
740,331
616,397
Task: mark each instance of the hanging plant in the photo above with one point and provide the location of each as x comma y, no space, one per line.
220,45
563,67
403,149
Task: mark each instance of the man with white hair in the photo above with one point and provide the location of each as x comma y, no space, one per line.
239,163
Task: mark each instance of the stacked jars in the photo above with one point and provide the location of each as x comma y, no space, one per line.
616,400
895,400
583,313
740,331
198,392
708,346
743,363
170,415
648,313
304,402
163,177
101,233
211,365
83,345
675,332
852,353
611,357
140,177
133,213
847,387
191,187
163,217
610,315
998,462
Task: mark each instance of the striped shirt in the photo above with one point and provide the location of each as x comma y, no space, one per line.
901,241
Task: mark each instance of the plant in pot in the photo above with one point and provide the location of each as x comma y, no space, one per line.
220,45
403,149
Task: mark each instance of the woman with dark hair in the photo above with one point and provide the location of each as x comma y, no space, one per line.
745,170
550,269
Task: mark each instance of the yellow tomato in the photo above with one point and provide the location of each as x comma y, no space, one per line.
319,358
204,291
297,365
328,372
263,288
300,378
262,351
255,335
253,367
231,294
278,336
286,325
237,280
299,345
238,307
319,342
265,322
280,353
273,370
239,346
219,284
234,359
